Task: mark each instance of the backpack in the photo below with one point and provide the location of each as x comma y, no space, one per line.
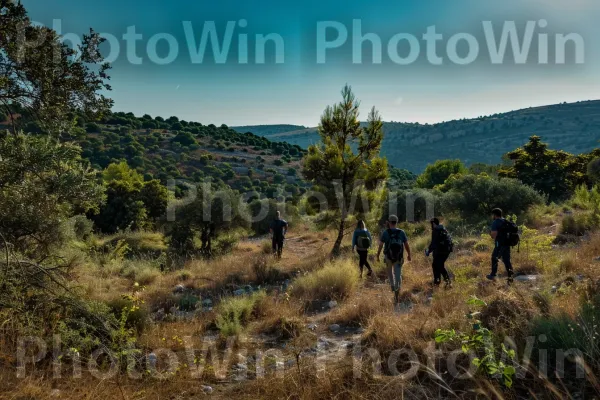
363,242
508,234
445,243
395,250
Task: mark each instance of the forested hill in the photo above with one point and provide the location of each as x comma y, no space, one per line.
573,127
175,149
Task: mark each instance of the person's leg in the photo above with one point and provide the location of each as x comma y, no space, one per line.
495,255
437,276
280,248
361,260
390,271
398,281
274,245
443,270
367,263
506,260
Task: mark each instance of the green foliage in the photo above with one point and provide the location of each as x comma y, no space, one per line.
42,183
401,179
587,212
593,170
437,173
131,202
333,165
235,312
185,138
53,99
473,197
555,173
568,333
481,342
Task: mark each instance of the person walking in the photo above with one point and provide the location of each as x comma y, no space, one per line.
361,242
278,230
441,246
501,236
394,241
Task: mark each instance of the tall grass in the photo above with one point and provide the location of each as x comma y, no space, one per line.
235,312
336,280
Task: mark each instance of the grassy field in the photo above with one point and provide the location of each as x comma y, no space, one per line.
304,327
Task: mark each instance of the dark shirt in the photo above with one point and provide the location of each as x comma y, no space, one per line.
435,238
496,225
279,226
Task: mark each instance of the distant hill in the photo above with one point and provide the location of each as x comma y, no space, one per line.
268,130
573,127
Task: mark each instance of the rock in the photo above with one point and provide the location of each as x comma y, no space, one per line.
179,289
332,304
241,367
324,344
152,358
207,389
554,289
526,278
207,303
334,328
159,315
346,345
239,292
312,327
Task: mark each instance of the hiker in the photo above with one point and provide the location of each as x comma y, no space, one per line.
206,239
361,241
278,230
501,235
393,242
441,246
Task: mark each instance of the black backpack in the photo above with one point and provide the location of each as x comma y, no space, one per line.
363,241
445,243
509,234
395,250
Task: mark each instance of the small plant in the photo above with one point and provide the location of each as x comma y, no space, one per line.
481,341
235,312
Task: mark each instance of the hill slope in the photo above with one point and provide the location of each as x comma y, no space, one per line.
573,127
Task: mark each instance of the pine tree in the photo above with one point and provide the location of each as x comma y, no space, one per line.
346,161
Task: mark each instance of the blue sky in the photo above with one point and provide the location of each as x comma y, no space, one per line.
297,90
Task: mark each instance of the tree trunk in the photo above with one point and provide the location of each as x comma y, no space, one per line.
336,252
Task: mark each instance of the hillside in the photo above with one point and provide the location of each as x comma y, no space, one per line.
573,127
174,149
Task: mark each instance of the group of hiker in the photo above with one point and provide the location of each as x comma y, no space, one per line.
393,242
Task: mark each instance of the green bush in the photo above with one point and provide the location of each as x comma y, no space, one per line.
235,312
473,197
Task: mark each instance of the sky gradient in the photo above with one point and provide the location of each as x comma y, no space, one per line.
297,90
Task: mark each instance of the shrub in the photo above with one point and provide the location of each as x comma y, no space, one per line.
336,280
235,312
473,197
437,173
564,332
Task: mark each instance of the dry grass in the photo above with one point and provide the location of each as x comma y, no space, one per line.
336,280
366,303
